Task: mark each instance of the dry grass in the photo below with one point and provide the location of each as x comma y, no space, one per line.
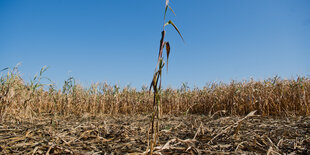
272,97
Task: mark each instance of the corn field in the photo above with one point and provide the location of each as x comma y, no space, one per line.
248,117
271,97
270,116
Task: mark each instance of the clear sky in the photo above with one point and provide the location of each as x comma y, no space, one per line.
117,41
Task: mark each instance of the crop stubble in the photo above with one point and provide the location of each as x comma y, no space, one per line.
191,134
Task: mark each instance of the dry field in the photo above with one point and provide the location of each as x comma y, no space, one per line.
191,134
218,119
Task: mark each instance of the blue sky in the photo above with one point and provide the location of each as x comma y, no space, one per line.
117,41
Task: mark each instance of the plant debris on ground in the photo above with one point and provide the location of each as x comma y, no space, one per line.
187,134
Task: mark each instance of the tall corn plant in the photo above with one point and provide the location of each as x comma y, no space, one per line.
157,79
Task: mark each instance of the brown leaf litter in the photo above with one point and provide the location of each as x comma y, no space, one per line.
190,134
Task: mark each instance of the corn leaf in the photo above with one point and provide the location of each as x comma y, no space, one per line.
168,52
175,27
172,10
154,81
152,84
43,69
4,69
165,12
161,46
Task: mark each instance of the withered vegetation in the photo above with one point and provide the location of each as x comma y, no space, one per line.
270,116
156,83
271,97
190,134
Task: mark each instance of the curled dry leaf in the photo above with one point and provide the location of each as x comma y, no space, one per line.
168,52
